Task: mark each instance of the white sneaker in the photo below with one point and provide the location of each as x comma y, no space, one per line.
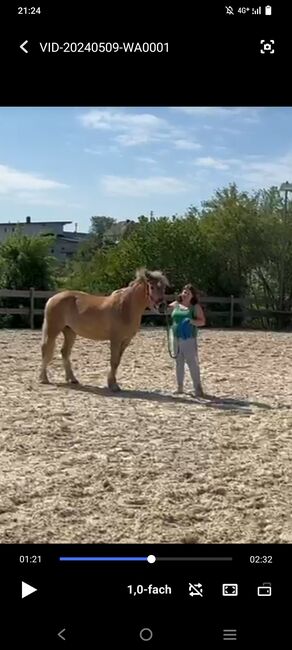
198,392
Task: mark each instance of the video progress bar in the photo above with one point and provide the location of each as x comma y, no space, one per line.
150,559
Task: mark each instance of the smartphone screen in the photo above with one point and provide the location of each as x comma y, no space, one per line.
145,325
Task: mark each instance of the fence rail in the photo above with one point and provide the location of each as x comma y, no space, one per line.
246,305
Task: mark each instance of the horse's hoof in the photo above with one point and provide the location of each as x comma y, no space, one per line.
73,380
44,380
114,388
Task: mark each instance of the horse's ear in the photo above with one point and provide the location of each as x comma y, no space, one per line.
141,274
147,275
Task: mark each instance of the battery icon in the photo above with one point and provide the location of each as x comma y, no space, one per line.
268,10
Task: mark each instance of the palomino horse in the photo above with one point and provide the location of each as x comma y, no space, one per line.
115,318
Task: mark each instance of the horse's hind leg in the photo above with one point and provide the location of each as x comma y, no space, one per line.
48,346
69,339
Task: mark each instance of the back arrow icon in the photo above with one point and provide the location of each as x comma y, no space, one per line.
23,48
61,633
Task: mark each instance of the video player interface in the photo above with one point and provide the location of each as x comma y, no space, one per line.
136,597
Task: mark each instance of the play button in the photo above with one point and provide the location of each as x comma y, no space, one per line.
26,589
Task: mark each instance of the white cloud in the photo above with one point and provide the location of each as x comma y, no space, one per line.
253,170
94,152
212,163
131,129
263,173
146,159
102,150
140,136
222,129
254,156
213,111
13,181
112,119
186,144
135,138
136,187
248,113
251,118
243,115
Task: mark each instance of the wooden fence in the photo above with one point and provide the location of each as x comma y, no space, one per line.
244,303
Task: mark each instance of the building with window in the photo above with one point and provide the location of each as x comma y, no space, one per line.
66,243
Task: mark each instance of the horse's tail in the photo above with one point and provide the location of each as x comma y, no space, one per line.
44,329
54,318
45,323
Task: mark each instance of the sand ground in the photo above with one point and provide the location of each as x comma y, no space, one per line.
79,464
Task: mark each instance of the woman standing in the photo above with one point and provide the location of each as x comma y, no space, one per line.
187,315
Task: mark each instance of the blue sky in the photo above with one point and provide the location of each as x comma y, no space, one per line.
72,163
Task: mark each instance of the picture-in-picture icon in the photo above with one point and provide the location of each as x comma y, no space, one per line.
265,589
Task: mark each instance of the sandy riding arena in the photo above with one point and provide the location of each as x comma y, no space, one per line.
79,464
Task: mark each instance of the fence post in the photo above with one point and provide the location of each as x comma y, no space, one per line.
31,308
231,310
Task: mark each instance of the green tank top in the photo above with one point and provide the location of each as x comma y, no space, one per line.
179,314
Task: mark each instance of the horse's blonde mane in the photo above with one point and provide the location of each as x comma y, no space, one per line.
143,275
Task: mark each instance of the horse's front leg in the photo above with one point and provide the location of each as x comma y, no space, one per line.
117,349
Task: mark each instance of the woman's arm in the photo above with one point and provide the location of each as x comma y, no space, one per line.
200,321
172,305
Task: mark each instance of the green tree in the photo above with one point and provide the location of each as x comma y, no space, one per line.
173,245
273,277
25,262
234,240
99,226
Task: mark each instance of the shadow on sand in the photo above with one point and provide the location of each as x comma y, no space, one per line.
211,401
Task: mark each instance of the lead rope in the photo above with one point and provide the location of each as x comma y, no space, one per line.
173,356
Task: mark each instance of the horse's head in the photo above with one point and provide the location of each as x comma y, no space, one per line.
156,284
